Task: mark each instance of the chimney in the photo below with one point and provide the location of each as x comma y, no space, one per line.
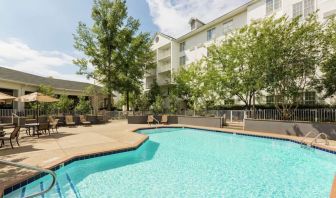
195,24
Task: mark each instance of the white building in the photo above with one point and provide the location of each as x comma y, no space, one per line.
172,53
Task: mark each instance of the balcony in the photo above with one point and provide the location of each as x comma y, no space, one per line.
164,68
164,55
151,72
164,81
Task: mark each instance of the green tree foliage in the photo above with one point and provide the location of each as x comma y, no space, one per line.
279,56
113,47
158,105
292,53
328,66
65,103
142,102
190,86
153,92
83,106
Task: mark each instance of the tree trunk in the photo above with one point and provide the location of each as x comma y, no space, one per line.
109,102
127,100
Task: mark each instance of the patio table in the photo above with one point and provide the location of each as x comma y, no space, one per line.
34,126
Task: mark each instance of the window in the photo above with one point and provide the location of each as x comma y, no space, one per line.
228,27
211,34
182,60
272,5
297,9
182,46
270,100
303,8
309,7
310,97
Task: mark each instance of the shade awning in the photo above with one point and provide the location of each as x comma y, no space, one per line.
6,98
36,97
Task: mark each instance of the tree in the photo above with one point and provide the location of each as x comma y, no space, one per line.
292,51
236,65
190,85
328,66
153,92
158,105
65,103
83,106
102,42
134,59
142,102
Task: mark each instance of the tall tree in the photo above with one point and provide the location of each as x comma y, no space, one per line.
237,66
328,66
133,60
293,51
102,43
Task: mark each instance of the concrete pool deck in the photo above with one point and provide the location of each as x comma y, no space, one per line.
49,151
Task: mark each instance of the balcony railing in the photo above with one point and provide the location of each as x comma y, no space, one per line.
164,68
163,54
151,72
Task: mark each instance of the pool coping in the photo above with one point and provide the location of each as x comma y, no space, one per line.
28,178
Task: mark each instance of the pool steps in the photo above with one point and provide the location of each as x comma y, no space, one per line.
56,191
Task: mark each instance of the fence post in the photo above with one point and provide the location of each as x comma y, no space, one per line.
315,115
231,116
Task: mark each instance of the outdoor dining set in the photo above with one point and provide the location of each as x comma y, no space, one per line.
34,127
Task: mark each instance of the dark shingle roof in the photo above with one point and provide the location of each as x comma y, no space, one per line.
25,78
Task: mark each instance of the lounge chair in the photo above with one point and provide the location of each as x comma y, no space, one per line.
150,119
53,123
83,120
14,135
69,120
43,127
164,119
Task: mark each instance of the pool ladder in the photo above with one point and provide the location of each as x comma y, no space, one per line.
41,170
320,135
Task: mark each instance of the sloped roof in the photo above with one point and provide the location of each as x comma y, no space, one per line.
25,78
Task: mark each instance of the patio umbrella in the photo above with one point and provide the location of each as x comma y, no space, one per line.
6,98
36,97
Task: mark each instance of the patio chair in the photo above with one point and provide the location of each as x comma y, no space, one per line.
43,127
164,119
83,121
69,121
150,119
54,125
14,135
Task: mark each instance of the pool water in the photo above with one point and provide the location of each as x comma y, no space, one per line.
178,162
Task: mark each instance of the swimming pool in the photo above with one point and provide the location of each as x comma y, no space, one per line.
183,162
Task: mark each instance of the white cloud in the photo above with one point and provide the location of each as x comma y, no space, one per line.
172,16
17,55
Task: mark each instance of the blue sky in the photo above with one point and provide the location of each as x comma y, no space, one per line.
36,35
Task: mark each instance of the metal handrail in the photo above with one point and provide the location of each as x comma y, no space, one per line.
320,135
306,136
52,173
157,121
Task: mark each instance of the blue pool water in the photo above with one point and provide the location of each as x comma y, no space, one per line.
194,163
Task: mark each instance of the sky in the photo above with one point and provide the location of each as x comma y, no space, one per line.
36,36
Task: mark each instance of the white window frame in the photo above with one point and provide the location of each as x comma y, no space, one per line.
183,60
305,11
228,26
182,46
273,6
297,9
212,31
